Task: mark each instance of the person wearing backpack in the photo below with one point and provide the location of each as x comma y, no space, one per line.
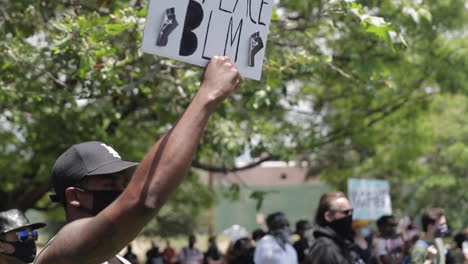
430,248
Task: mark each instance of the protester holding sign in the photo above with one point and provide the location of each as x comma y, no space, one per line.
89,176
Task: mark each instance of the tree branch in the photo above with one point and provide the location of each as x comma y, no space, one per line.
210,168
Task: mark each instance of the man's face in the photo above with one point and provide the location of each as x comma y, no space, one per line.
111,182
442,220
283,223
280,223
390,226
342,209
304,228
432,228
192,240
7,248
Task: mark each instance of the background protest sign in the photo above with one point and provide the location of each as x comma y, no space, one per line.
195,30
369,198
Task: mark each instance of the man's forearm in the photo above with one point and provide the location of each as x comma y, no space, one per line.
159,174
161,171
165,166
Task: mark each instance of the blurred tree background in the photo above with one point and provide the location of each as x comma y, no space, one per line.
368,89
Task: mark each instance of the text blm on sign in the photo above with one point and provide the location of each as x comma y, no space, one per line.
195,30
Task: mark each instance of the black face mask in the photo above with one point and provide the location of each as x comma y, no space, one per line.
443,231
24,251
282,236
101,199
389,231
343,226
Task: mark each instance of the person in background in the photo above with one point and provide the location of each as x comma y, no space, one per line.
241,252
153,255
130,256
212,255
409,231
390,247
258,234
17,238
457,250
465,245
170,256
412,230
362,235
301,245
430,248
191,254
276,248
333,235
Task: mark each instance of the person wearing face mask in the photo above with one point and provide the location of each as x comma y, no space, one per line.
430,248
390,246
362,235
275,247
333,235
17,238
105,207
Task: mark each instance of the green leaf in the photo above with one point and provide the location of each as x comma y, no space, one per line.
117,29
382,32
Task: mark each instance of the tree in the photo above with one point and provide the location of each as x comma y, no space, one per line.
339,75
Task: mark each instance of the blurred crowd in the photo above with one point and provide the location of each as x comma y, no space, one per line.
334,238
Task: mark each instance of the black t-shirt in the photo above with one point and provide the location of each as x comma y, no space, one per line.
301,246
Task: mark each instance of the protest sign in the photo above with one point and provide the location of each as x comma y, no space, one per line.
370,199
195,30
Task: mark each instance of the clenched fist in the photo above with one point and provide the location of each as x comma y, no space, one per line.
221,78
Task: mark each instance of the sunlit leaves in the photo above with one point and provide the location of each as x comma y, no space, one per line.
345,85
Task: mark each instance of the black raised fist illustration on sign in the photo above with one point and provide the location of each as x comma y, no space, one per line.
169,24
256,44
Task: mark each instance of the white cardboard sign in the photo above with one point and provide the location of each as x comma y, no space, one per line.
370,198
195,30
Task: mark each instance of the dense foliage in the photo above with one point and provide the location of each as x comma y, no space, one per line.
370,88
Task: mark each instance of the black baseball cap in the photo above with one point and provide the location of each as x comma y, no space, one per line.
82,160
14,220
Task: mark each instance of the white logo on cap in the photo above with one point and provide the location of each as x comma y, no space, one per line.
111,151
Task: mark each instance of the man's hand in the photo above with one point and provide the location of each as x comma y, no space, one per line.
156,178
431,252
221,78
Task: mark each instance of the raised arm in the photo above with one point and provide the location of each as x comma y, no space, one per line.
97,239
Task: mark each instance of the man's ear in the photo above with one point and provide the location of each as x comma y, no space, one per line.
71,194
328,216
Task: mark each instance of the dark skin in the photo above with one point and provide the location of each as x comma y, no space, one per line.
191,243
278,225
6,248
95,239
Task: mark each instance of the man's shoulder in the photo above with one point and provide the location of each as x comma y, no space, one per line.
266,241
422,244
43,250
324,245
324,241
325,250
420,248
